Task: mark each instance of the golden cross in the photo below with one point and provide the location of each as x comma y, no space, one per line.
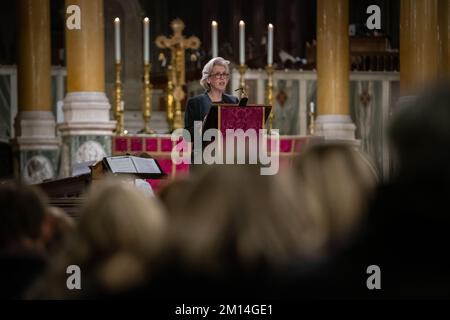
178,44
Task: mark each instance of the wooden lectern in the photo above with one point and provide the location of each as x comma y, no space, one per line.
229,116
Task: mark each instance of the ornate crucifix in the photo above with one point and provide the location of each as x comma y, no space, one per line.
177,44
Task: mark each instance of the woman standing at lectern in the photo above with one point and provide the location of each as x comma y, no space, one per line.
215,77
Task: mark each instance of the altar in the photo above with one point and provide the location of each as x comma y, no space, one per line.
104,116
160,147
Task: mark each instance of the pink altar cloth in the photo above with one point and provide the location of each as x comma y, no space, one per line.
160,148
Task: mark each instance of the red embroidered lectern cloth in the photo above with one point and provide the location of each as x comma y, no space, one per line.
240,118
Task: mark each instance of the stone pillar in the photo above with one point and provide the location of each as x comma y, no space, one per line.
444,35
333,120
36,145
87,128
420,51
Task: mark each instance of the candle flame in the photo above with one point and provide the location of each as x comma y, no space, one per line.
146,19
270,26
214,23
241,23
116,20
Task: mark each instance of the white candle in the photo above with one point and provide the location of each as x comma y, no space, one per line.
311,107
270,45
146,40
214,39
117,34
241,42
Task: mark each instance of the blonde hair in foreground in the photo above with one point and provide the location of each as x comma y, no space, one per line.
236,218
337,182
119,232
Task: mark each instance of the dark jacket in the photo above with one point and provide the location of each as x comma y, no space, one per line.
197,108
409,238
18,272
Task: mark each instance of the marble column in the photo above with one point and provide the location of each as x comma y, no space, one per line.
333,120
87,127
36,144
444,35
420,45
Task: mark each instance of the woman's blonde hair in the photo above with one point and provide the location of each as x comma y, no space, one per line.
235,218
119,232
207,69
337,182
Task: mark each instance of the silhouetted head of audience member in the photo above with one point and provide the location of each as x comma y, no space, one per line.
337,182
22,241
420,135
236,221
118,232
173,195
409,217
57,226
22,215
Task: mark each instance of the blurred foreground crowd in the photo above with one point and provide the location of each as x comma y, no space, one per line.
228,232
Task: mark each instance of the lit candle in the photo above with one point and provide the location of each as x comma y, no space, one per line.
311,107
146,40
214,39
270,45
241,42
117,33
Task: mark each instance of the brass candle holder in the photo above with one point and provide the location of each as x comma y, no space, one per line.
269,96
170,99
311,123
178,95
242,69
118,110
147,103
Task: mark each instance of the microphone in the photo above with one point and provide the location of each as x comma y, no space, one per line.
243,97
243,102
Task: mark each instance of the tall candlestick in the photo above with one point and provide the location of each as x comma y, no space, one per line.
117,42
311,118
214,39
147,102
269,96
241,42
118,102
146,40
270,45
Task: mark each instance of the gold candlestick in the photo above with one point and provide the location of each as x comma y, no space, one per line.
147,103
118,111
269,96
170,99
242,69
311,123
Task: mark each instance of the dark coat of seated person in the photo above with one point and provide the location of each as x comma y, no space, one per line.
410,218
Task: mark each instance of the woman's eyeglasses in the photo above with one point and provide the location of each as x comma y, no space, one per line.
220,75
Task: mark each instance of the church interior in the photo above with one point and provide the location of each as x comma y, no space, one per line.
352,102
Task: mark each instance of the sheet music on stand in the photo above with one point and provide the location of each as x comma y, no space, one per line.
79,169
145,167
121,164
